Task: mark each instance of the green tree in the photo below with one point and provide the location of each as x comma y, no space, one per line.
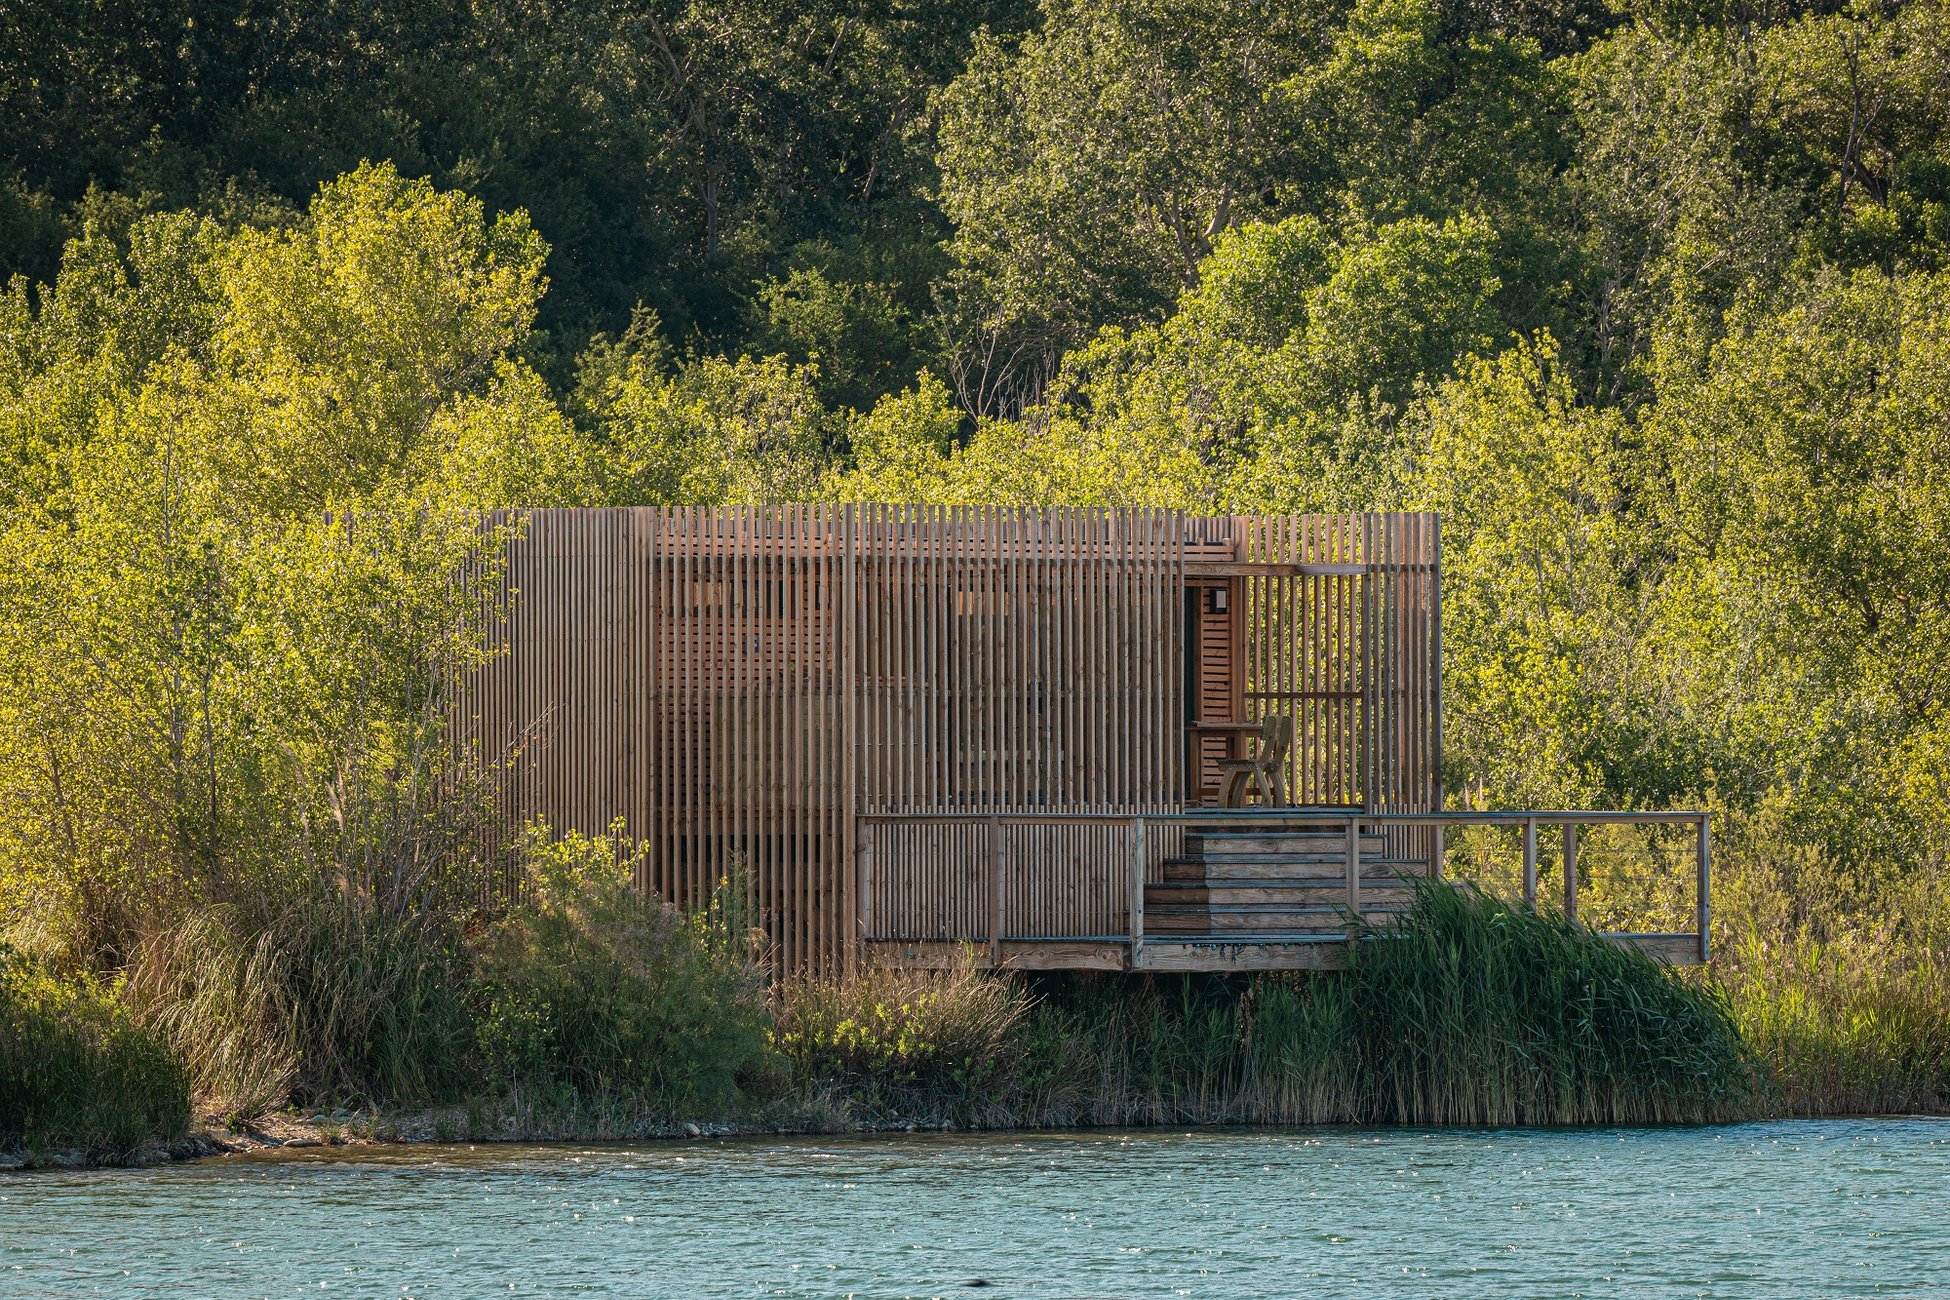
1806,498
1089,167
713,432
1545,597
240,472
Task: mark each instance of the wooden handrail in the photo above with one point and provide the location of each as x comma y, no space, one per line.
1302,816
1356,823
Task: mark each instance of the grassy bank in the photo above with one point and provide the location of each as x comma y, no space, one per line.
589,1011
1467,1012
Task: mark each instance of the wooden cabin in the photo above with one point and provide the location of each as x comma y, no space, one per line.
911,729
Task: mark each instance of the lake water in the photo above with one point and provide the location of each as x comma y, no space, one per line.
1786,1209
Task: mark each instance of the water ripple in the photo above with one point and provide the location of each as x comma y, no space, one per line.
1837,1208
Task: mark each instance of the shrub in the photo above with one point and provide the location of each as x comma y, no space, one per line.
943,1043
77,1070
588,986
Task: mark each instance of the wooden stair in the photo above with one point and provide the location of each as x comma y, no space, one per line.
1259,883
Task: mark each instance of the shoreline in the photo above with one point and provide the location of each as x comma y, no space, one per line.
424,1129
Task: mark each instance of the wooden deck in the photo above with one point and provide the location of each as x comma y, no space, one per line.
906,729
1255,889
1207,956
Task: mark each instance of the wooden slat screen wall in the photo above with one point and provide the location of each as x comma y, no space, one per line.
750,727
682,670
1406,687
1015,660
1352,657
737,685
561,713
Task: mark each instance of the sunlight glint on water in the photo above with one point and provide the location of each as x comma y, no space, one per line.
1839,1208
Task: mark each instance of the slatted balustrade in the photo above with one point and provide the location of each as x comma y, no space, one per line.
1269,889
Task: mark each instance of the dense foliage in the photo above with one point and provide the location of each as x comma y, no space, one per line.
77,1071
1650,300
587,986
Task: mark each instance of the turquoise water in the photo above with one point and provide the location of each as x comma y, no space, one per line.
1790,1209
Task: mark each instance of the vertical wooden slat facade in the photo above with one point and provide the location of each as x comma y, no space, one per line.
738,686
1013,661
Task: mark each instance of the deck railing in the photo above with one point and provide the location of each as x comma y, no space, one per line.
955,889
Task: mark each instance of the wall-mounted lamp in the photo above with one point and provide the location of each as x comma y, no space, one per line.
1219,596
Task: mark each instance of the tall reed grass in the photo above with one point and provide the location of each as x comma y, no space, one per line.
1465,1011
1838,970
1845,1035
1470,1010
334,998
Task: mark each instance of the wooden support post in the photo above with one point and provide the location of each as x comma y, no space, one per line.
1570,871
849,692
1137,889
995,891
1440,853
1354,867
1703,853
1530,861
866,889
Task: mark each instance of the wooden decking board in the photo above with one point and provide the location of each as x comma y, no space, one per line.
1299,864
1194,872
1201,844
1226,894
1270,951
1294,952
1672,949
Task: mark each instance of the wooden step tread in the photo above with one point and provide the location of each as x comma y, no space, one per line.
1244,909
1311,859
1256,918
1335,929
1299,859
1369,880
1270,936
1196,847
1194,872
1368,831
1225,894
1282,837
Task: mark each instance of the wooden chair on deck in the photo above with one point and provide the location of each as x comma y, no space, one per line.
1266,769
